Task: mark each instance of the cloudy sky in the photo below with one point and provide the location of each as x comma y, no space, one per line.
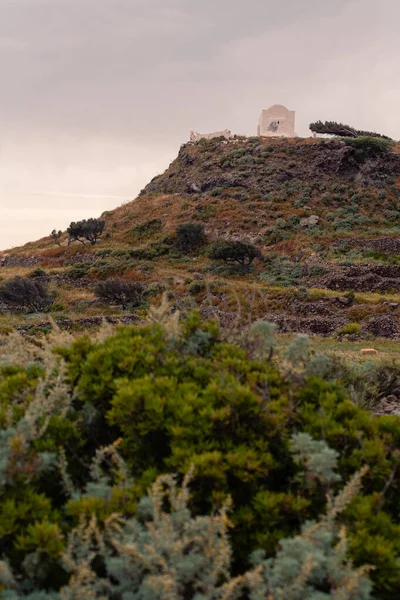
97,95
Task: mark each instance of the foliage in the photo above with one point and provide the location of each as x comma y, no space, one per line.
190,236
56,237
281,271
369,147
87,229
331,127
234,251
121,292
195,556
146,229
270,434
22,292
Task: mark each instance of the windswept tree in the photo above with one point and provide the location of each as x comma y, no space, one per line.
87,230
117,291
341,130
56,236
234,251
21,292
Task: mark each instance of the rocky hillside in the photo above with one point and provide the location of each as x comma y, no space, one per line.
324,213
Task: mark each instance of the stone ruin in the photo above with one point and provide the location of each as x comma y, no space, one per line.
195,137
276,121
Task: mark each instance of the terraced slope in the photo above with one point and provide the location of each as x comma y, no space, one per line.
325,214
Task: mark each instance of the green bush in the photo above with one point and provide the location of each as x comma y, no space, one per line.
190,237
175,397
349,329
22,292
117,291
234,251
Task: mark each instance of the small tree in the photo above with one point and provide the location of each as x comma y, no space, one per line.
339,129
232,251
90,230
21,292
190,236
56,236
121,292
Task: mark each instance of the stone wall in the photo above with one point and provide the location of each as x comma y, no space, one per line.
195,137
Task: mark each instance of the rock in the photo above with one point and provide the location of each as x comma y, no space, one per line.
198,276
343,300
310,221
194,187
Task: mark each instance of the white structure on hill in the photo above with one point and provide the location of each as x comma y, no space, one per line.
276,121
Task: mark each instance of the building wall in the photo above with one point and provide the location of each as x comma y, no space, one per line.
277,121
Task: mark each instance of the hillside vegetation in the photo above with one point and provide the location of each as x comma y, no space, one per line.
167,429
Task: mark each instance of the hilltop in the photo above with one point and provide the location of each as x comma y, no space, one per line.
324,213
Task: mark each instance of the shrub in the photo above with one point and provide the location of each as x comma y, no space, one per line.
22,292
121,292
190,236
172,395
147,229
281,271
79,270
234,251
369,147
90,230
38,272
349,329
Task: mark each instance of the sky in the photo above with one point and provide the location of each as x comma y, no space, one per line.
97,96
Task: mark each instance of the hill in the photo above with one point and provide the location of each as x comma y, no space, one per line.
324,213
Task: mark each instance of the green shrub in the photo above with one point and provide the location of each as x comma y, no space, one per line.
233,251
172,397
190,237
147,229
117,291
79,270
349,329
22,292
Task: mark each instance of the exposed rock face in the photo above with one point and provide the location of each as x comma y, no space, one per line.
364,278
310,221
383,326
197,171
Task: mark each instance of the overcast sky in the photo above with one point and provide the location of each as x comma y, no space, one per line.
97,95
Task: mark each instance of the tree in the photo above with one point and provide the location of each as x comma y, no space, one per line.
21,292
235,251
123,292
90,230
190,236
56,236
339,129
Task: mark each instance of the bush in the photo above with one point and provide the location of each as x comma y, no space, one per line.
22,292
369,147
349,329
90,230
232,251
190,236
120,292
147,229
171,395
79,270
